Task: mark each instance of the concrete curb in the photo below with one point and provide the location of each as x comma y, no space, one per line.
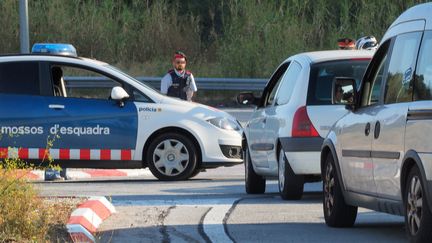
72,174
87,217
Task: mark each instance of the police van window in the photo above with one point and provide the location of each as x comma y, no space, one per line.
423,78
374,77
66,83
19,78
399,85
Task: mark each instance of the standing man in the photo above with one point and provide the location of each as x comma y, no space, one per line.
346,44
179,82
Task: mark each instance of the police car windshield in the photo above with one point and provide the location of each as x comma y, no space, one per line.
130,77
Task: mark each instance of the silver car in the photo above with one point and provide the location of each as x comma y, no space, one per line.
379,155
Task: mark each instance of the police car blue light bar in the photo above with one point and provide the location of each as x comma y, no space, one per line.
56,49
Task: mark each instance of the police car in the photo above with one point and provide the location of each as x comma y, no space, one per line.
116,122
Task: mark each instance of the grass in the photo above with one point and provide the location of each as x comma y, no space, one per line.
26,217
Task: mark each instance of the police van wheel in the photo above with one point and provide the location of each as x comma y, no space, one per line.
172,157
418,217
337,213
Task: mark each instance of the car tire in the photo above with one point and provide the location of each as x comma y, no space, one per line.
418,216
337,213
195,172
290,186
254,183
172,157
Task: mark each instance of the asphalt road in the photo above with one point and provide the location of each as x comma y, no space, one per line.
213,207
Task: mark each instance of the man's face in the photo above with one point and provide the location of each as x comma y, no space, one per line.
179,64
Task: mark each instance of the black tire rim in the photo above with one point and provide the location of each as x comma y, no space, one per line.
414,205
246,162
329,185
171,157
281,171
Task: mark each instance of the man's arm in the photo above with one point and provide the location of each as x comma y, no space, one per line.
165,83
193,84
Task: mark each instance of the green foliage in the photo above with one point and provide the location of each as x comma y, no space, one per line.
238,38
23,215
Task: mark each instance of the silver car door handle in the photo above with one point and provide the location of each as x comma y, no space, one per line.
56,107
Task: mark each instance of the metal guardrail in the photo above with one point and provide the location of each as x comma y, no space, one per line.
246,84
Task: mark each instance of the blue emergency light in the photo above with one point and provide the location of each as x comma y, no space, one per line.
56,49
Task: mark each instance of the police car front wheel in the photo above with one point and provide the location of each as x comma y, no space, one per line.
172,157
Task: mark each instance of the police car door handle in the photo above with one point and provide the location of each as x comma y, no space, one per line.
56,107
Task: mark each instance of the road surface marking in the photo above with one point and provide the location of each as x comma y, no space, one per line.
213,223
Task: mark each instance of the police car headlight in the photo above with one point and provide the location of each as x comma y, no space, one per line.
224,123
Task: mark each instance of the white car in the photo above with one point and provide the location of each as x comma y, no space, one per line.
379,155
117,122
283,138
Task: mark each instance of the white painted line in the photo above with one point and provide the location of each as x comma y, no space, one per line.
75,174
79,234
136,172
173,202
105,202
115,154
88,214
54,153
213,221
95,154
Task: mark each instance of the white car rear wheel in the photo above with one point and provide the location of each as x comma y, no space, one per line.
290,185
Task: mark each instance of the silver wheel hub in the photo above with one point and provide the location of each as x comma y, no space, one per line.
414,205
329,184
171,157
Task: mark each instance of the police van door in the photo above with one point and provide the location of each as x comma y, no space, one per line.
88,124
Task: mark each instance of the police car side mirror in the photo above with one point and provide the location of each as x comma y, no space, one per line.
119,94
246,98
344,92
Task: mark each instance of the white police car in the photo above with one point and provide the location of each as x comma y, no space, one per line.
116,122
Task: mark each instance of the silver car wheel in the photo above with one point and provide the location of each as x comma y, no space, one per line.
281,171
329,184
246,164
171,157
414,205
